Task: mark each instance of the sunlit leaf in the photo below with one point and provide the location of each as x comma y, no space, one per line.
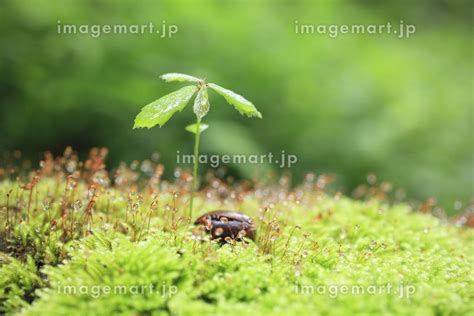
179,77
161,110
244,106
193,128
201,103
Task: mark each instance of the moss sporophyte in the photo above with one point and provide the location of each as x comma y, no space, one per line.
160,111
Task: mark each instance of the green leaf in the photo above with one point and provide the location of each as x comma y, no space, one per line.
193,128
179,77
244,106
161,110
201,103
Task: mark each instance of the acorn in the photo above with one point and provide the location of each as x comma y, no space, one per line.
227,224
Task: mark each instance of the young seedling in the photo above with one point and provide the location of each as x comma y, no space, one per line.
160,111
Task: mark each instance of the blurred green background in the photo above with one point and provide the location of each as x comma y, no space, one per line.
351,105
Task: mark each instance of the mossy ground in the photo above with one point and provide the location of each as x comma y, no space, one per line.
68,229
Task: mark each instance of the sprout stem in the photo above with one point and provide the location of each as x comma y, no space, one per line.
195,168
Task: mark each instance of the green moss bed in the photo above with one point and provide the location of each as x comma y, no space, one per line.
91,243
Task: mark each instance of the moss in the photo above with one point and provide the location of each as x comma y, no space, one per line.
18,281
310,248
